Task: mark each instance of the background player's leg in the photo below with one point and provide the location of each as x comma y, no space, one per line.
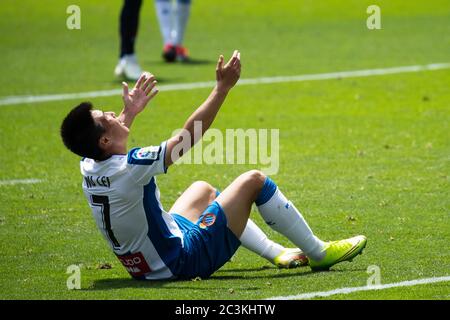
129,21
182,12
128,66
164,11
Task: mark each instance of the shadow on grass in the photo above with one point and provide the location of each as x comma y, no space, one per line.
124,283
190,62
221,276
265,276
120,283
247,269
217,278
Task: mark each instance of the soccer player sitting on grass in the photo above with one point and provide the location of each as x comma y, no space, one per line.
204,228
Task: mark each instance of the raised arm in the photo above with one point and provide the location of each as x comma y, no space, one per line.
226,76
136,100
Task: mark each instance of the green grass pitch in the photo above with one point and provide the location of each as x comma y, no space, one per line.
357,155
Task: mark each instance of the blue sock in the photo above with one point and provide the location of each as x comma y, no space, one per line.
266,192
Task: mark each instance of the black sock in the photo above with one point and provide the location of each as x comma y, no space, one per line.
129,21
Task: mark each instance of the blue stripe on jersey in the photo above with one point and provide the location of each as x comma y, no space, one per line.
166,244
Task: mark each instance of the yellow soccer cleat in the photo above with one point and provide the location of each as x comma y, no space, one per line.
338,251
291,258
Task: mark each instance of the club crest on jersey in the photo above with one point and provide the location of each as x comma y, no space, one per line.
147,153
207,220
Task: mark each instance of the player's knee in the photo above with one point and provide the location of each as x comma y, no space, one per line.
255,177
203,186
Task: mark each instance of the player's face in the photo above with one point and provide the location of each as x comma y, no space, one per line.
115,128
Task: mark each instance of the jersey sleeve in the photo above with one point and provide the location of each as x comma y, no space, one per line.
144,163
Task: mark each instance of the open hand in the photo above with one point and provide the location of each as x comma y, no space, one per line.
136,99
227,75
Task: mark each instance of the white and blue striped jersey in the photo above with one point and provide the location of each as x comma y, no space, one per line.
125,203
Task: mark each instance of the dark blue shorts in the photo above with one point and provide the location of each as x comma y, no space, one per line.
208,244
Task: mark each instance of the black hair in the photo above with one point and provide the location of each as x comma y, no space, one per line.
81,134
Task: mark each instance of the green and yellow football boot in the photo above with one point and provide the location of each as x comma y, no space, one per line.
339,251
